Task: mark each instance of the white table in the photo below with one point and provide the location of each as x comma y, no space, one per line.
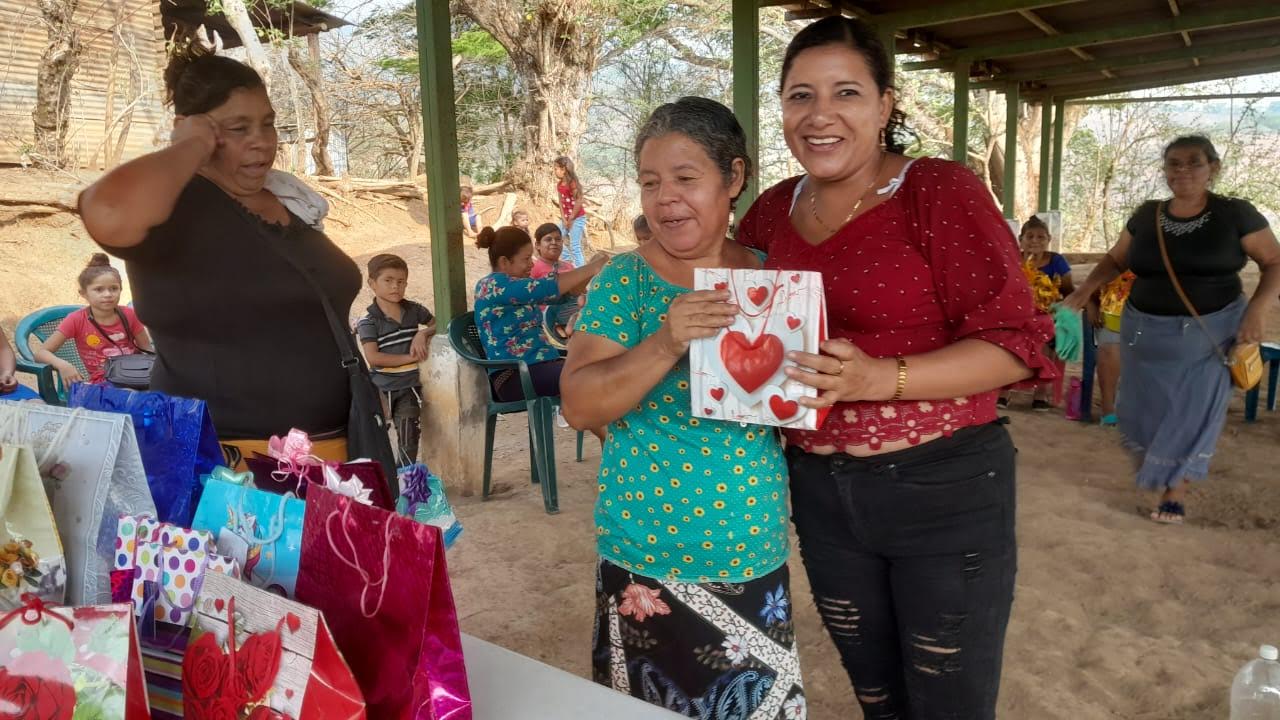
508,686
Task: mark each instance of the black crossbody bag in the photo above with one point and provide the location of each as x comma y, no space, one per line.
367,431
126,371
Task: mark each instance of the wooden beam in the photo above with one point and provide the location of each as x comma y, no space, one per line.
746,85
1011,151
945,12
1186,36
1166,79
1051,31
809,14
960,119
1174,98
1059,125
1218,49
1145,28
440,138
1046,155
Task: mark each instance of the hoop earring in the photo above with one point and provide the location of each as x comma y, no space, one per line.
883,144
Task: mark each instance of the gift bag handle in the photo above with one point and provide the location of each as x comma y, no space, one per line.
353,562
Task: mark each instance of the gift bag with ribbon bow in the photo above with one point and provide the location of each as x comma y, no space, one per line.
257,656
261,531
290,466
381,581
422,498
737,375
92,474
30,550
176,440
60,663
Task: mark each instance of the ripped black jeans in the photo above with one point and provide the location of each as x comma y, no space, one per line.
911,556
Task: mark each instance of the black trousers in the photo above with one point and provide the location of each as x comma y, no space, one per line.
911,556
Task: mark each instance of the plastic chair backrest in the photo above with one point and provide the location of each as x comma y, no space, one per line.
41,324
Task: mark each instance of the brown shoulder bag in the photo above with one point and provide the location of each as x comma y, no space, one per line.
1245,359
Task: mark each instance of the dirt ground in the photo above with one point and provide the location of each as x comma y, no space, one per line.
1115,617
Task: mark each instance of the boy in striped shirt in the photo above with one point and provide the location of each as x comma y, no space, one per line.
394,335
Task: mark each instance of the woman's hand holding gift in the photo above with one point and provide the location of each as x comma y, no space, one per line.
843,373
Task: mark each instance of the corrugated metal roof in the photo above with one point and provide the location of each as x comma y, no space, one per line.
103,77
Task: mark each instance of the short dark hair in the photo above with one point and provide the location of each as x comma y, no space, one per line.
385,261
197,81
708,123
504,242
545,229
1197,142
640,224
861,38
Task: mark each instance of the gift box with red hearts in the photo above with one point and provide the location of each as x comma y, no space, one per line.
737,375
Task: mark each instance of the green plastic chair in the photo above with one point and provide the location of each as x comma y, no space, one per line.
41,324
464,336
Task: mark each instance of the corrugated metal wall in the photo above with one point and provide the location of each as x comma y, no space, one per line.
104,69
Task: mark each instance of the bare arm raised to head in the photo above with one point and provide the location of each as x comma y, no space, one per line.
124,204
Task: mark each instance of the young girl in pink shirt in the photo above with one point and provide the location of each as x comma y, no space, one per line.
102,330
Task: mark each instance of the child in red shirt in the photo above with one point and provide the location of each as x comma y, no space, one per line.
102,330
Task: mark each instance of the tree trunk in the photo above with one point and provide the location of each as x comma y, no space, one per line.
309,71
555,58
58,64
237,15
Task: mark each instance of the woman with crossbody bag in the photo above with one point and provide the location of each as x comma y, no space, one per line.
232,271
1188,335
104,333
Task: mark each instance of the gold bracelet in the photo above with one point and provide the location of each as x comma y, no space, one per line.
902,380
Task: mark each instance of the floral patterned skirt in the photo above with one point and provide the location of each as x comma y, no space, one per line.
713,651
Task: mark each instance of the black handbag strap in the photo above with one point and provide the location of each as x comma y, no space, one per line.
341,336
127,331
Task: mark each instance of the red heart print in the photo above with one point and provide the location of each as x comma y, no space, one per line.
758,294
795,278
708,411
717,394
793,322
721,285
288,693
293,622
750,364
219,604
782,408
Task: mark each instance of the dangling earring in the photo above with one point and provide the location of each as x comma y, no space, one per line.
883,144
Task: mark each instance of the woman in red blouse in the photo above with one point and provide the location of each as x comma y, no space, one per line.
904,500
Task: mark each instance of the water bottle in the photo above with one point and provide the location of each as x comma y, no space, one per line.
1255,694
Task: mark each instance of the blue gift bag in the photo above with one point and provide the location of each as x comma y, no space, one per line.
261,530
176,440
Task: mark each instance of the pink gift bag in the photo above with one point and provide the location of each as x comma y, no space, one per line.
381,581
737,375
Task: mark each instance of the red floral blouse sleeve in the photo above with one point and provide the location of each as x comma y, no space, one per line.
976,265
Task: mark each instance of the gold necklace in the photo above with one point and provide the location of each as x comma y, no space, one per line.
813,200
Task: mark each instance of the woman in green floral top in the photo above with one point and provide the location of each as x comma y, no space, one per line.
507,312
693,606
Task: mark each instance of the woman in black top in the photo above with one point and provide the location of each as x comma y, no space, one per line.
205,243
1173,396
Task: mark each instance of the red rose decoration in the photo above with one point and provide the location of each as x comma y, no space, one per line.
35,698
54,700
204,669
257,664
17,694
